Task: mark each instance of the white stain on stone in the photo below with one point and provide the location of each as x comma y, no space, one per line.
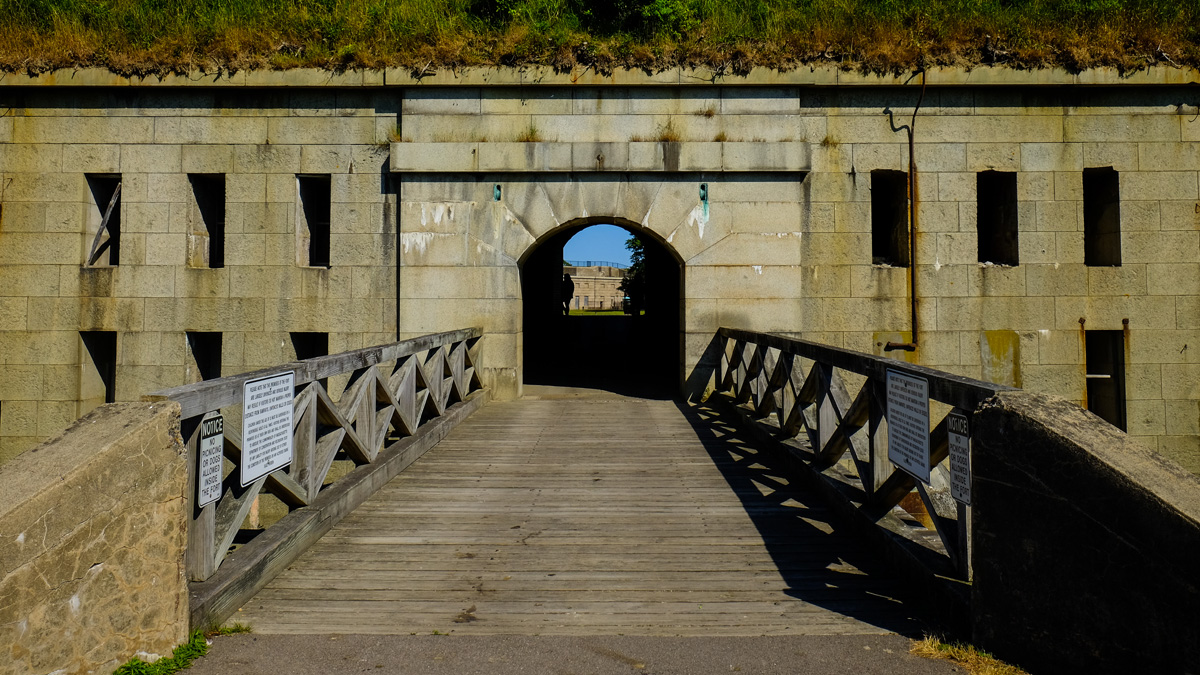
21,539
418,241
698,218
148,657
757,269
437,212
74,603
671,237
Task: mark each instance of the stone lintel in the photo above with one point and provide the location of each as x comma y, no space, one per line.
545,157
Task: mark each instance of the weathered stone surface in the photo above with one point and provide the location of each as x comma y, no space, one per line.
1085,543
93,530
785,157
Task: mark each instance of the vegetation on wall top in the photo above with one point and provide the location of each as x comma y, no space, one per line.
732,36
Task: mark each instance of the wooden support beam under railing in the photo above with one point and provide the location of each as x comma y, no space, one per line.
392,388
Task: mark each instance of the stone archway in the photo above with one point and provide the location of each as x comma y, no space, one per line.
467,244
638,355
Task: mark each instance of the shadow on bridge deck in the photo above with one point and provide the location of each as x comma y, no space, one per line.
839,573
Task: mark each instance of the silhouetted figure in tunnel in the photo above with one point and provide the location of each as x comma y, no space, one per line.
568,292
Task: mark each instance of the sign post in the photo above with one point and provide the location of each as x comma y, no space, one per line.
908,423
212,456
960,457
266,425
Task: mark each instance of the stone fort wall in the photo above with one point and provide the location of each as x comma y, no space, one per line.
783,241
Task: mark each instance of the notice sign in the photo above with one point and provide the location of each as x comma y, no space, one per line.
908,423
960,457
266,425
212,455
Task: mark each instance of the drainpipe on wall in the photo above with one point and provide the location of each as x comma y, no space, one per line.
398,186
912,230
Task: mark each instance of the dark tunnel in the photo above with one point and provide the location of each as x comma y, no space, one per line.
633,355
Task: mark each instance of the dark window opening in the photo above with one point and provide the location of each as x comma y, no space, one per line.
315,205
996,221
206,352
209,191
101,346
1106,375
889,218
105,246
1101,217
310,345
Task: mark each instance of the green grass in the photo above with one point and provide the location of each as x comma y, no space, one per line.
137,36
182,656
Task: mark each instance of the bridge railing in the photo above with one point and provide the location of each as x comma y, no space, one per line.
389,396
803,388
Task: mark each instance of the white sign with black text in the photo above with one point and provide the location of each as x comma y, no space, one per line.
212,455
908,423
266,425
960,457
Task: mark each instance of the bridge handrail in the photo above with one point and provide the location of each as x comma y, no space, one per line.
203,397
392,393
761,373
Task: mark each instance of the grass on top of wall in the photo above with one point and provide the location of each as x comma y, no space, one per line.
144,36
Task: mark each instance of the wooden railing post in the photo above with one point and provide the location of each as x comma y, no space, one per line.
200,559
881,467
827,420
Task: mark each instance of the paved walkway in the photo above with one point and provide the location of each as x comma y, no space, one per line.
584,517
564,655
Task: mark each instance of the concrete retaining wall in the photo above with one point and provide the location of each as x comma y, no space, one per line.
1086,545
92,534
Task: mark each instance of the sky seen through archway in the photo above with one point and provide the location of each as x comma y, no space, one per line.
599,242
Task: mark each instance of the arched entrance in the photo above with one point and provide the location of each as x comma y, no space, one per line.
637,354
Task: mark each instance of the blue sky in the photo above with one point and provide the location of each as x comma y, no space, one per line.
598,242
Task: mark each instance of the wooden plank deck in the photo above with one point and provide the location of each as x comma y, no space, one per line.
578,517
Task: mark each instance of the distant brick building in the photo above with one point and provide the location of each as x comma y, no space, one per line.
596,287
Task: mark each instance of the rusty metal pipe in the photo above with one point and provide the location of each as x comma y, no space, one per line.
912,230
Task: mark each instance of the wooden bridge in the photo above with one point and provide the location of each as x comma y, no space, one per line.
769,506
594,514
605,515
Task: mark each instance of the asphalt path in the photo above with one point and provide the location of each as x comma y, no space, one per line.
250,654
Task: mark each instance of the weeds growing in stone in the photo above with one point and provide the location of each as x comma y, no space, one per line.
182,656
